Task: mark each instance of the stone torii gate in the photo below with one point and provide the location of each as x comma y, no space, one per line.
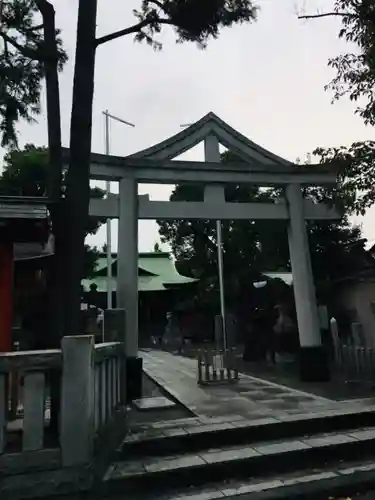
261,167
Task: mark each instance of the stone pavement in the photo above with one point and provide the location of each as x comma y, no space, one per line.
251,397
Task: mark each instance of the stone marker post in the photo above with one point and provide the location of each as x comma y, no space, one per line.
77,400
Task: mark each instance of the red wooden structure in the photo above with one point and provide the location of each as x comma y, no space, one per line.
22,220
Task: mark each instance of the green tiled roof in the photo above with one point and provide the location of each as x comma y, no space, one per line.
156,272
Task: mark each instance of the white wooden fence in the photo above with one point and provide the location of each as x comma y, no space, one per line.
353,358
92,383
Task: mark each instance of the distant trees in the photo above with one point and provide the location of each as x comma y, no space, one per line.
25,173
253,247
355,79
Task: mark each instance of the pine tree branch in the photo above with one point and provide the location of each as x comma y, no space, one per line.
132,29
34,28
327,14
117,34
28,52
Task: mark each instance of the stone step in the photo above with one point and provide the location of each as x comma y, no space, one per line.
195,434
343,481
165,473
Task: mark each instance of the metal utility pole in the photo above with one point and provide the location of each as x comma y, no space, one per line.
219,238
221,280
107,116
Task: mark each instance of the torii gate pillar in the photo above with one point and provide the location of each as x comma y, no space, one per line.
127,281
313,361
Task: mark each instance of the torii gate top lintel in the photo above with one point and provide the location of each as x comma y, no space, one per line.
156,164
211,124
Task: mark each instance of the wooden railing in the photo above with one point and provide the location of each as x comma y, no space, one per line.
92,385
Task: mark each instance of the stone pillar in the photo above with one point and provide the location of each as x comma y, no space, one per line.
77,419
313,359
127,280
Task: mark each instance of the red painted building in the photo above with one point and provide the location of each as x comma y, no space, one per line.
24,224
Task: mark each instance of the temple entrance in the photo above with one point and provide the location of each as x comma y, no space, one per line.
261,167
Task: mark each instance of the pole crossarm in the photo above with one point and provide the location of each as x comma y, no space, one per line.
168,210
107,117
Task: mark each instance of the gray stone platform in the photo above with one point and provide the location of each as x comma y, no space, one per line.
153,403
251,397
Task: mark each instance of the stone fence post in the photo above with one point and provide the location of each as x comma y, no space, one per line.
77,425
336,341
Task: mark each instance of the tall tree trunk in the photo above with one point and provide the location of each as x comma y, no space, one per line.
55,274
78,177
55,278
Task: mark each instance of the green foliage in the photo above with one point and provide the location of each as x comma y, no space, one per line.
252,247
355,79
21,66
356,172
193,20
25,174
355,76
91,257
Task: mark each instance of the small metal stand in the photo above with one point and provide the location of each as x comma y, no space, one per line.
216,367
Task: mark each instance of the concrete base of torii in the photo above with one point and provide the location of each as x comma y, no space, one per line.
314,364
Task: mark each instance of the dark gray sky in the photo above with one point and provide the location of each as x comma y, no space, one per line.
266,80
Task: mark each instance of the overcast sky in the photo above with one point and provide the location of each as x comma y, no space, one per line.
266,80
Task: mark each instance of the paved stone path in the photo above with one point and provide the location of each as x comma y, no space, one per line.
251,397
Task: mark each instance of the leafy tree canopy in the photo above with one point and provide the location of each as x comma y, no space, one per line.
25,174
355,79
253,247
22,65
193,20
356,173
